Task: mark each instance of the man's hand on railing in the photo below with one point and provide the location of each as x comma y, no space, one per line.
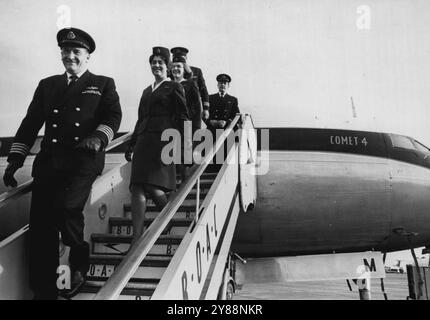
129,153
8,179
91,143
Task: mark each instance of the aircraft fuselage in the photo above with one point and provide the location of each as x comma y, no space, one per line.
338,191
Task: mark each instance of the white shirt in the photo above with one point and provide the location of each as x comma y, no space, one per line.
154,86
78,75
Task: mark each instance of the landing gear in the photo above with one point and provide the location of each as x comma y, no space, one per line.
229,291
228,286
416,291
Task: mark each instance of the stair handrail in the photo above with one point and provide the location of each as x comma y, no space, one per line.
113,287
25,187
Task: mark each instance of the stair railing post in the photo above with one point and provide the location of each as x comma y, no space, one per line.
197,199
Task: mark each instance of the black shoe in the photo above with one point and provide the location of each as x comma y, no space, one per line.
78,280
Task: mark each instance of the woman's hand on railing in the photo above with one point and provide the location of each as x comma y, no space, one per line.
205,114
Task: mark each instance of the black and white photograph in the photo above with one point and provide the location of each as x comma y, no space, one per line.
236,151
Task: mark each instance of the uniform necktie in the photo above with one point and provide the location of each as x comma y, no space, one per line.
72,79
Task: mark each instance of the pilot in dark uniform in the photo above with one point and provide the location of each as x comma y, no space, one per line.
223,107
81,113
197,77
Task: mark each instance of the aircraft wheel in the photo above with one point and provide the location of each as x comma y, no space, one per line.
230,291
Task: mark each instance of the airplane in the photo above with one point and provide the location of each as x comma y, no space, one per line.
400,265
396,268
330,192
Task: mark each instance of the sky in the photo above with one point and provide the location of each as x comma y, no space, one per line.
332,64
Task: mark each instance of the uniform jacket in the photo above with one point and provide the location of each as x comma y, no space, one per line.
90,106
161,109
197,77
194,104
222,108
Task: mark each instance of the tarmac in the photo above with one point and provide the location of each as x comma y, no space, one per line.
396,288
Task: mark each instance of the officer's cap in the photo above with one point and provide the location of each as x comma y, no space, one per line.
162,52
223,78
74,37
179,51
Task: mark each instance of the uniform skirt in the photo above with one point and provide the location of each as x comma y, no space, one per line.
147,166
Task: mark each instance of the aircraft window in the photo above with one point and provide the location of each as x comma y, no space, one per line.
421,147
402,142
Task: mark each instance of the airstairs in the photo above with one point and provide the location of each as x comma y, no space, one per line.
185,250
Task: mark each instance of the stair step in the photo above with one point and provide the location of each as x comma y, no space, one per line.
149,284
138,277
127,239
132,289
90,296
165,245
205,175
153,208
193,194
149,261
154,214
119,221
184,211
204,184
124,226
103,266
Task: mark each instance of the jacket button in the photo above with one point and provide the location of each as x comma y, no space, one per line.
76,138
77,124
78,109
54,140
54,125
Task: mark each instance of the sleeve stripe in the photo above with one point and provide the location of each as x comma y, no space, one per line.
107,131
20,144
19,148
20,152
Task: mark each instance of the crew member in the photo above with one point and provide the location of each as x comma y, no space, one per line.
162,107
180,71
81,113
197,77
223,107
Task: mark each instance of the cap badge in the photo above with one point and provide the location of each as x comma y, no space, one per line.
71,35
